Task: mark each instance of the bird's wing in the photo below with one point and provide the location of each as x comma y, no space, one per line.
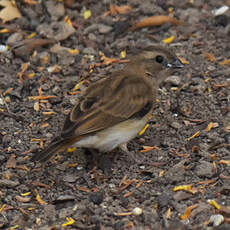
107,103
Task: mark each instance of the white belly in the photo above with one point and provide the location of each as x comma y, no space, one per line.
109,139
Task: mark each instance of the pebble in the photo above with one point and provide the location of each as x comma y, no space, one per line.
89,50
96,197
137,211
173,80
216,220
56,10
69,178
104,29
8,183
13,38
204,169
175,125
65,197
56,90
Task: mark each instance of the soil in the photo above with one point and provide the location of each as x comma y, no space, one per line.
189,132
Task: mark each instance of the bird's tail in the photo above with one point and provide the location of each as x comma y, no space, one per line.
54,147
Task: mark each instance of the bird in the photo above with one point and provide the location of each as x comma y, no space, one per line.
114,109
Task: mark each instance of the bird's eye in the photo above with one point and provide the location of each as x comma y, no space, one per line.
159,58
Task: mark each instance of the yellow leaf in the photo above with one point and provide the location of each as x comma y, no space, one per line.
193,136
123,54
2,208
70,150
31,35
9,12
25,194
70,220
68,21
182,187
143,130
169,40
73,51
87,14
209,127
215,204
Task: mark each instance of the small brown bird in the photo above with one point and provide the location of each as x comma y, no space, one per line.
115,109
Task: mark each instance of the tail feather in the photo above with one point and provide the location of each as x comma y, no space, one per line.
49,151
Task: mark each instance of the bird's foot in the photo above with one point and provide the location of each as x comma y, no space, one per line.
131,155
100,160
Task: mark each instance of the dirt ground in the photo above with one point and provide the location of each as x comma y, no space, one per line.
182,178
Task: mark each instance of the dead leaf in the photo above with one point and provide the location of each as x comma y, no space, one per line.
210,57
9,12
156,21
25,48
30,2
11,163
188,211
114,9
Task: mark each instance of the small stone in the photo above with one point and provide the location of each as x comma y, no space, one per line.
36,106
89,50
103,29
56,90
8,183
173,80
92,37
14,38
55,9
7,99
96,197
65,197
137,211
204,169
216,220
69,178
175,125
181,195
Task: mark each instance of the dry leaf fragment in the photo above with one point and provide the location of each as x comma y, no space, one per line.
9,12
22,199
114,9
149,148
226,162
156,21
210,57
25,47
144,129
225,62
39,199
197,134
188,212
215,204
83,189
184,61
70,221
188,188
30,2
169,39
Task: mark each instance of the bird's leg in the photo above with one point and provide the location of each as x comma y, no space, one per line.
101,160
130,154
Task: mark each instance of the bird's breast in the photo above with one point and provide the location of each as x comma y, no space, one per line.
110,138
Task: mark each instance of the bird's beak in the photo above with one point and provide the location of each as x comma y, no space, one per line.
176,64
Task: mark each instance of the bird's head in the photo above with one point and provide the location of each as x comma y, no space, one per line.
157,62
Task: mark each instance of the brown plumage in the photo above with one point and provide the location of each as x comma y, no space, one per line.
115,109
